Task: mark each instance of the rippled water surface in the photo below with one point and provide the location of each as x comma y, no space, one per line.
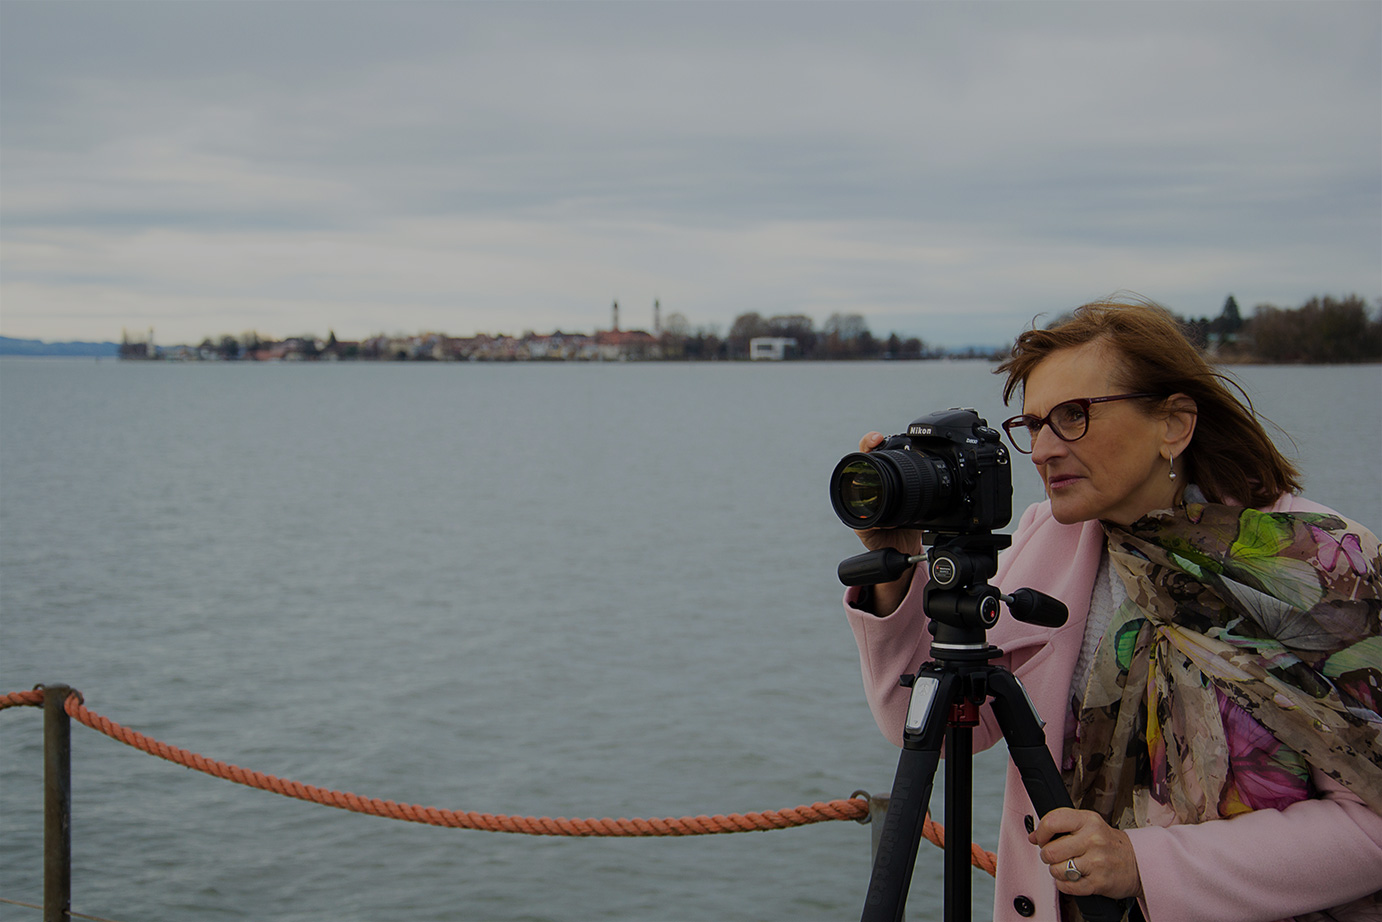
595,590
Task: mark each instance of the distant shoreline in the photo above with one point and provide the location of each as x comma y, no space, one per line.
36,347
1323,331
1227,361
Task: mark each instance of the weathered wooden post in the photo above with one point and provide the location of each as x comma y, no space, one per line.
57,804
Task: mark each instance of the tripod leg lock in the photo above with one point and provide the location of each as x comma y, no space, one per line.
924,688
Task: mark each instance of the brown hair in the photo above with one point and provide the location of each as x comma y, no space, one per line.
1231,457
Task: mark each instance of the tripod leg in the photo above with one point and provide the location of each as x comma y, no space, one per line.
1027,745
911,794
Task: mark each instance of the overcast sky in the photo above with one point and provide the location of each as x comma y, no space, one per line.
947,170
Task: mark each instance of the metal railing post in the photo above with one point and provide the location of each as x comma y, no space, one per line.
57,805
878,812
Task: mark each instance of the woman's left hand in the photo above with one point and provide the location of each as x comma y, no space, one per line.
1103,855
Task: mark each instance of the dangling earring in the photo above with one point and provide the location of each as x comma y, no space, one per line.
1173,466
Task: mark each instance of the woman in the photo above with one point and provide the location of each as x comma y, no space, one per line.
1213,698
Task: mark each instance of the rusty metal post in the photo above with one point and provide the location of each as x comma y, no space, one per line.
878,812
57,805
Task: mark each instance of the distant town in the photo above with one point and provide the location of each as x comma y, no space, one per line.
752,337
1323,330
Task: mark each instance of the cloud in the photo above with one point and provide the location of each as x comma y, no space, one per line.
947,169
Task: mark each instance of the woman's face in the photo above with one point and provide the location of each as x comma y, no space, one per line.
1119,470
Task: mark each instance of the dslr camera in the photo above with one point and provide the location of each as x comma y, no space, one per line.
948,473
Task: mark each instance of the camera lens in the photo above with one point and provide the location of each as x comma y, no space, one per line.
889,489
859,488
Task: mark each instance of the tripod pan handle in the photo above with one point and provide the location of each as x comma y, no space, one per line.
875,567
1034,607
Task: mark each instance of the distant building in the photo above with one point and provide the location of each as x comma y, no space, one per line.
770,348
556,346
626,345
137,348
337,350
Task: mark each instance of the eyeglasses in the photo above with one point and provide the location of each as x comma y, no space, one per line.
1068,420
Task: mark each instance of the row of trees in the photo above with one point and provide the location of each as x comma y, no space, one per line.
1321,331
843,336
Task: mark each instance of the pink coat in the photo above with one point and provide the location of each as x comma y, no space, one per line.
1260,866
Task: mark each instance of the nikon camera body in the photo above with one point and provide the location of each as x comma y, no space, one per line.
948,473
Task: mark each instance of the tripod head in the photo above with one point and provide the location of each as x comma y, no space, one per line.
957,598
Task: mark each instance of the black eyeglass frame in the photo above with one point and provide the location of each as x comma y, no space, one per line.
1084,403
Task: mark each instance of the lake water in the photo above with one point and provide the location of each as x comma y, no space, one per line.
566,590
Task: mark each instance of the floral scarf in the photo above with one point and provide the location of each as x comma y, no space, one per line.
1248,650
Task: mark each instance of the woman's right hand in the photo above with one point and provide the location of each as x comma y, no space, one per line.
887,596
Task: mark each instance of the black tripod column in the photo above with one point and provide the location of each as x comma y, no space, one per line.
959,808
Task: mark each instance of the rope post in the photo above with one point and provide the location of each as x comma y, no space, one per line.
57,805
878,812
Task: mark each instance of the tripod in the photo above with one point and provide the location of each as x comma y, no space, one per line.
946,696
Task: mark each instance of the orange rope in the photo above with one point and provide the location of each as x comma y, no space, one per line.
22,699
851,809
